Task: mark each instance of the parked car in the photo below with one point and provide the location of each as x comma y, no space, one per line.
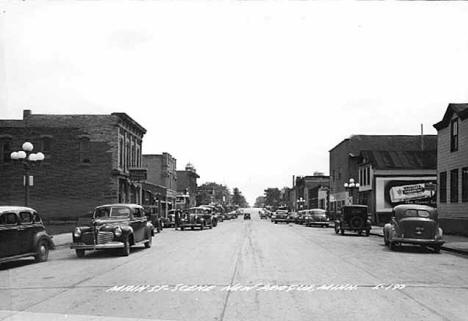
263,215
280,216
113,226
353,218
198,217
22,234
247,216
316,216
413,224
152,215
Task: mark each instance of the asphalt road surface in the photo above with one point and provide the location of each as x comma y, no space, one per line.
241,270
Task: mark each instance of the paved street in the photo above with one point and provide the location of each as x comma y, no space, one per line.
313,262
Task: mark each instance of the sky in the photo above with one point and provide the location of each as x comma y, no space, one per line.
250,92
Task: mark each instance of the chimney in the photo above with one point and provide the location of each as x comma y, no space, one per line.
294,183
26,113
422,137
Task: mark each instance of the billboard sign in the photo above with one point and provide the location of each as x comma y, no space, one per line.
392,191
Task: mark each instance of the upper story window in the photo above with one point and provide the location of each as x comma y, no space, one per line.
5,150
85,150
454,135
121,152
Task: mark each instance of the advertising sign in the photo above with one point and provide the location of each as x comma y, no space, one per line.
392,191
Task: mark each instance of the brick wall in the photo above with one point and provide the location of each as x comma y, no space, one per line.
63,187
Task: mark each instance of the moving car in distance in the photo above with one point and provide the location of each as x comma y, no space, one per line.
353,218
22,234
413,224
247,216
198,217
113,226
316,217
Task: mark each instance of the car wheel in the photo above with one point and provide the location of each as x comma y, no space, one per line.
126,247
337,229
80,253
182,228
367,232
385,239
342,231
393,246
276,222
42,251
149,242
437,249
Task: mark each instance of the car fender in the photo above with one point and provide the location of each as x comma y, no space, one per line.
126,230
42,235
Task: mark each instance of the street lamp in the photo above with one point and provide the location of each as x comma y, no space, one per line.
301,202
350,187
29,159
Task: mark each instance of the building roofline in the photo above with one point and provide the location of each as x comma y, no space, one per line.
460,109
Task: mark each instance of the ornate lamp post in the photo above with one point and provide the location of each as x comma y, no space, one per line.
28,159
350,187
301,202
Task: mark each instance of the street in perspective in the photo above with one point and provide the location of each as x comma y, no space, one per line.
241,270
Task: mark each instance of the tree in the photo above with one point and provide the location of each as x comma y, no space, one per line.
238,198
212,192
272,197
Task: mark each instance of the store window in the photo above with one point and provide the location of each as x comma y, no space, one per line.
465,184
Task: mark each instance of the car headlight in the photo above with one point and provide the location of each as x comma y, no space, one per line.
77,232
202,219
118,231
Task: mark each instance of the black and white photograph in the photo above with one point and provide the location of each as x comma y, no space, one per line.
233,160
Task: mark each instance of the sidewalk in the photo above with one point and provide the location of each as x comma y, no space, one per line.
453,243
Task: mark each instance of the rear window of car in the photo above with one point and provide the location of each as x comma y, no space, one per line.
8,219
26,217
417,213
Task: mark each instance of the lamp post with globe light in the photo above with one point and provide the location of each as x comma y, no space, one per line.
350,187
28,159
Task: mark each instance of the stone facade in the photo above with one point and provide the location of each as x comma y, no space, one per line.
452,169
84,164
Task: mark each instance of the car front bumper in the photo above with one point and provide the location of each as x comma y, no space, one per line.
108,245
191,225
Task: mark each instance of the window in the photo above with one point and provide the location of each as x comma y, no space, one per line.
121,152
8,219
454,186
443,187
84,150
465,184
368,181
26,218
5,150
454,135
46,145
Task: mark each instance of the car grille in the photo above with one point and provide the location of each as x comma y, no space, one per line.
417,229
102,238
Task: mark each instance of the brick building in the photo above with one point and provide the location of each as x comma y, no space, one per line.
309,188
89,160
187,185
161,169
346,158
452,169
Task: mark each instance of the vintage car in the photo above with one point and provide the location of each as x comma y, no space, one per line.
413,224
263,215
113,226
22,234
198,217
316,217
247,216
281,216
353,218
152,215
170,220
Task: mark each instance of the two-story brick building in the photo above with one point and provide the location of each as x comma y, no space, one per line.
187,186
308,190
162,174
89,160
452,169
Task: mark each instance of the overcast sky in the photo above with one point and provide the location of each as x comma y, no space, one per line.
251,93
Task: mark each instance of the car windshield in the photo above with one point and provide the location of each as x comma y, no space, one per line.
112,211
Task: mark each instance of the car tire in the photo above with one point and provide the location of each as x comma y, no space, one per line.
367,232
182,228
80,253
337,229
42,251
392,246
342,231
276,222
149,242
385,238
126,247
436,249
